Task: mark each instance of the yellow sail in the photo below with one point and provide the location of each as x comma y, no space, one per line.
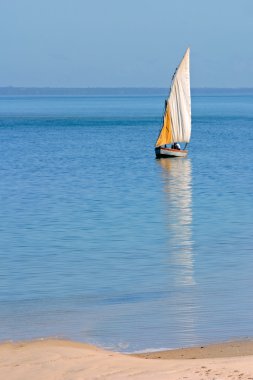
165,136
177,118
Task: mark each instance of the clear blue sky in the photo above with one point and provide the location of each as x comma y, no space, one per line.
114,43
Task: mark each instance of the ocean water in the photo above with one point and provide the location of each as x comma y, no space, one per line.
102,243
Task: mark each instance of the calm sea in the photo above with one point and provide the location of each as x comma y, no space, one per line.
102,243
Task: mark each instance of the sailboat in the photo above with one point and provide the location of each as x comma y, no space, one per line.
176,126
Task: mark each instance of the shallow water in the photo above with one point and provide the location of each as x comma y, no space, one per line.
101,242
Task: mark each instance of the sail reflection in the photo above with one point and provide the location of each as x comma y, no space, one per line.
178,188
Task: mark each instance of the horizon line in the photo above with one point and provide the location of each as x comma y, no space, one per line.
119,88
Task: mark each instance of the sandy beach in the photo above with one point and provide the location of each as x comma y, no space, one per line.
54,359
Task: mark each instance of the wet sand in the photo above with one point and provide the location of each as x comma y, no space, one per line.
220,350
54,359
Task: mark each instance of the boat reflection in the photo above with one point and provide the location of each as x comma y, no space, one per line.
182,301
177,185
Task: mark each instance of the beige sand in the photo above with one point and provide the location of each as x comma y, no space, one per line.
62,360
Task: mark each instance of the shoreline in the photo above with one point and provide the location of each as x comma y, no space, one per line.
230,348
57,359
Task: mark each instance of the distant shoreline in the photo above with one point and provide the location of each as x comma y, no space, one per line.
114,91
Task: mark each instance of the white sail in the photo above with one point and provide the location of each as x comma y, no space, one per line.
177,116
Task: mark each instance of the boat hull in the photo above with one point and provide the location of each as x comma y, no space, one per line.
168,152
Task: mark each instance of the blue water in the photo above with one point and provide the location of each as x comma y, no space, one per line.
102,243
